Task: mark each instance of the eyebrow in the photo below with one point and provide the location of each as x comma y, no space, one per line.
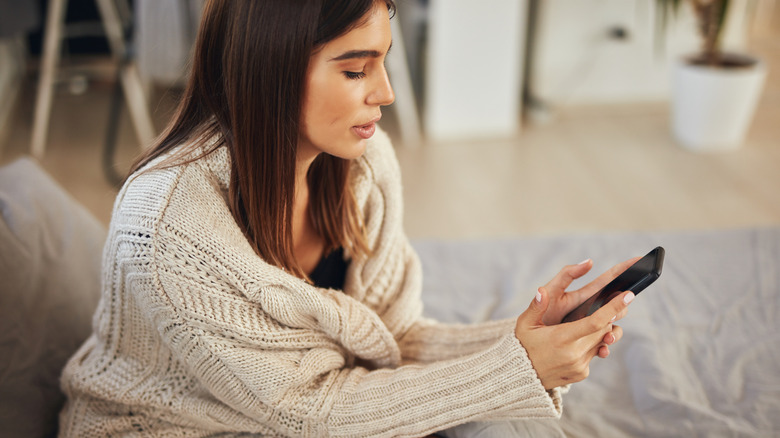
358,54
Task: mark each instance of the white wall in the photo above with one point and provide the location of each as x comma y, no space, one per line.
576,62
474,68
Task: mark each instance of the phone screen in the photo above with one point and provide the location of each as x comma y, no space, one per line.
636,278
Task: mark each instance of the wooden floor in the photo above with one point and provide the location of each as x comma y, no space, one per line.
595,169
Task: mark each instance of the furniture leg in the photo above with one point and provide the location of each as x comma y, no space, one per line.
129,75
55,22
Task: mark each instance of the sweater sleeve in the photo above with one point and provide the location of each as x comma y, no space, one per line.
426,340
298,382
394,288
430,341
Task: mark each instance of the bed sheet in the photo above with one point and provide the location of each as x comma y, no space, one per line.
700,354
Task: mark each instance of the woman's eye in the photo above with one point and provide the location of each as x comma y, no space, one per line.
354,74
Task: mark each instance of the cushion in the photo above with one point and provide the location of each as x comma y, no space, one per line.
50,251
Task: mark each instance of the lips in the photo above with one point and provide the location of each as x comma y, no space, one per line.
366,131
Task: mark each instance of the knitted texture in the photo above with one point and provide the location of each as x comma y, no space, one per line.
195,335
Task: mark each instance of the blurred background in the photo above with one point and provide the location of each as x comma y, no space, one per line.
512,117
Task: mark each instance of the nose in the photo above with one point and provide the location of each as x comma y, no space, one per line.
382,93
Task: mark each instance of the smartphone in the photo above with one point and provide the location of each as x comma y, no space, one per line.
636,278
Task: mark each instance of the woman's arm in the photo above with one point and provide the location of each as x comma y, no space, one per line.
317,390
430,341
284,359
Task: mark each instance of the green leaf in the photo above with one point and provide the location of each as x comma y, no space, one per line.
721,22
664,12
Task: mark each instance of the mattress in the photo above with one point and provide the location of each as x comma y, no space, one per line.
700,355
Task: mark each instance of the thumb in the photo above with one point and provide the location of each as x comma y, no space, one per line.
535,312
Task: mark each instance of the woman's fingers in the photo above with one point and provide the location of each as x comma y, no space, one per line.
609,339
580,295
592,329
614,335
562,353
621,315
569,273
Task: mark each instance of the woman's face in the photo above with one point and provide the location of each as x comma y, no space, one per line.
345,87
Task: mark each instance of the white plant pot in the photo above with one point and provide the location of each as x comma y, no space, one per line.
712,107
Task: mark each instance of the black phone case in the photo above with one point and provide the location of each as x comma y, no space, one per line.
636,278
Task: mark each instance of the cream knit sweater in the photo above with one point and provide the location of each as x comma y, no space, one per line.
195,335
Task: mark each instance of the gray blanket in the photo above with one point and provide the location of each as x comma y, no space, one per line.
700,354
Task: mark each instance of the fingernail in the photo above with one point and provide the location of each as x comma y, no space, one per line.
583,262
614,318
539,295
628,298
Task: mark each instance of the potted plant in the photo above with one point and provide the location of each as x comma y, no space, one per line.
714,93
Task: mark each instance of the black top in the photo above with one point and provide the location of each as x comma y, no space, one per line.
331,271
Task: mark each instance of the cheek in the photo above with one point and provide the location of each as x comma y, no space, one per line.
315,108
336,100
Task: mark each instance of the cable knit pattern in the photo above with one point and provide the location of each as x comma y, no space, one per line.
195,335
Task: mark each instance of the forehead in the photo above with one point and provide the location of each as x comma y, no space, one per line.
373,34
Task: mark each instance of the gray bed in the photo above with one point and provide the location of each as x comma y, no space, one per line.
700,354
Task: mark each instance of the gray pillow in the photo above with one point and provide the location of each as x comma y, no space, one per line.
50,255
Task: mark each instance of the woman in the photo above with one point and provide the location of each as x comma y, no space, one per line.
257,278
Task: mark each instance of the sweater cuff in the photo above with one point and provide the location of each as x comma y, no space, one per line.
551,403
510,385
498,383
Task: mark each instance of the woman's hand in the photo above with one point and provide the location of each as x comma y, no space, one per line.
561,353
563,302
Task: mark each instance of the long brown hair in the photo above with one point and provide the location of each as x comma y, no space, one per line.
246,91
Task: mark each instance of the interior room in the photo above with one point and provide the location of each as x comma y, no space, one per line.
530,134
598,157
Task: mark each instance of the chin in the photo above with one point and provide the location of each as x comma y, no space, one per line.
351,150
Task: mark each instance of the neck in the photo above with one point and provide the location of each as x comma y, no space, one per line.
301,201
307,244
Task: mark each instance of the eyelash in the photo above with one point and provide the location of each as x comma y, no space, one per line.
354,75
